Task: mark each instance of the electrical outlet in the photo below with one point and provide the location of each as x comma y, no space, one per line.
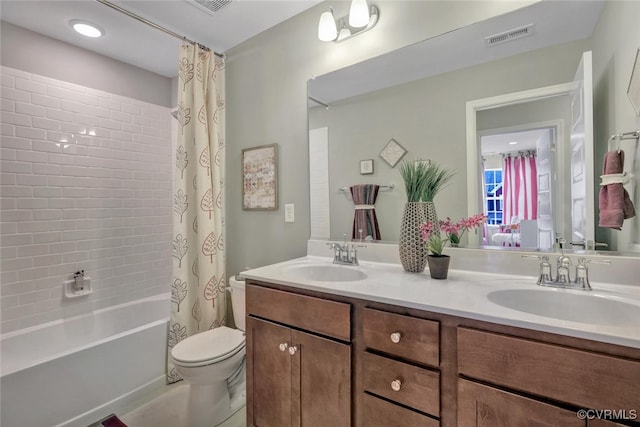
289,213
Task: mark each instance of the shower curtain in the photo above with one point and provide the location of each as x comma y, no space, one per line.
520,188
199,280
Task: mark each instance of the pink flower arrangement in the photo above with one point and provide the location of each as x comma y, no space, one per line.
435,244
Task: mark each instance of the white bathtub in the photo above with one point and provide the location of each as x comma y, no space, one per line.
75,371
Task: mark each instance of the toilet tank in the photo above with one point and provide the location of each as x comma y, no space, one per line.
238,302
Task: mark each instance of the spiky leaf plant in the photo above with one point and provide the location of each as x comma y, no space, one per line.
424,179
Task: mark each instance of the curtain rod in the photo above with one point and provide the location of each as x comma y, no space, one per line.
154,25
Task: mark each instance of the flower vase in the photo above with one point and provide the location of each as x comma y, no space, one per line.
413,254
438,266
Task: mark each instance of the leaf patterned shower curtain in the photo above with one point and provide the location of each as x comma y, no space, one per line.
199,280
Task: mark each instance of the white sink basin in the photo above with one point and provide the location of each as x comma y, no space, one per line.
325,273
583,308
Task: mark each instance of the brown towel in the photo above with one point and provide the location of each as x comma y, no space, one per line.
615,204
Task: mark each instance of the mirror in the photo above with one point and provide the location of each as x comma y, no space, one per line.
420,104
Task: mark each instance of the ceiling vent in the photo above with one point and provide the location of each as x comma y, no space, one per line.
209,6
507,36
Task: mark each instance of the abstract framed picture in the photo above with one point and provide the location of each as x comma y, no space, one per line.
392,152
260,178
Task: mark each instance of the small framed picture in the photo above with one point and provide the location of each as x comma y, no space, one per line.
260,178
366,167
392,152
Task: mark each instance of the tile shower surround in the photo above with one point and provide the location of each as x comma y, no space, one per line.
85,183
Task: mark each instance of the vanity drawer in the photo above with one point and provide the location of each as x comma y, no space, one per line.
324,317
583,378
378,412
418,339
418,388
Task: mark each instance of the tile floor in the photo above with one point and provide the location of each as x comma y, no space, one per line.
169,410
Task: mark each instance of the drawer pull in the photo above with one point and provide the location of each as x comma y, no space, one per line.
396,384
283,346
395,337
292,350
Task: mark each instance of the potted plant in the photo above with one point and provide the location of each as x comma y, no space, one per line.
422,180
435,243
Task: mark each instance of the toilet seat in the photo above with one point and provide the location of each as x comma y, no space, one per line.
209,347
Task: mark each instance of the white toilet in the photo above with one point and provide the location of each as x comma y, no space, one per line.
212,362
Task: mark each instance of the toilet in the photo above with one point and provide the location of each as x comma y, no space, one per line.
213,364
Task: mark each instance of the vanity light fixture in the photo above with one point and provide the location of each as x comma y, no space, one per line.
361,18
86,28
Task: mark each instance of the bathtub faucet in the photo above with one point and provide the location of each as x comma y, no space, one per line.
78,281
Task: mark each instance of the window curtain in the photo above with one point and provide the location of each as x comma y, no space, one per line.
199,281
364,218
520,188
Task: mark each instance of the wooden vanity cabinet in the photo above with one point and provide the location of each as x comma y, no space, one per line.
451,371
295,377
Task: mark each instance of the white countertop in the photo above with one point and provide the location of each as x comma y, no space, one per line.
465,294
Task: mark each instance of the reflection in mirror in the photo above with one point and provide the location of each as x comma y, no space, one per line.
421,105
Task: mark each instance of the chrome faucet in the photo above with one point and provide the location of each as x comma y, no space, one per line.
563,278
344,253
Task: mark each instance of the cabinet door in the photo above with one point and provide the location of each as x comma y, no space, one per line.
268,374
482,406
321,373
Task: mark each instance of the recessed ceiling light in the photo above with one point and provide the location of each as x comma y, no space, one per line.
86,28
513,142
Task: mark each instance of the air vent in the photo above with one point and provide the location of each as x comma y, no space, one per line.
507,36
209,6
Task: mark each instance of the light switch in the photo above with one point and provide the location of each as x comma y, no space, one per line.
289,213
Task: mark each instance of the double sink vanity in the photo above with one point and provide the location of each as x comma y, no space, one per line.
371,345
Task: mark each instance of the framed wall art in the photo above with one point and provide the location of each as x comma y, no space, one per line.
260,178
392,152
366,167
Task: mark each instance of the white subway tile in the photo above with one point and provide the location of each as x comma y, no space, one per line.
47,215
46,260
32,226
46,169
7,105
31,156
72,106
46,80
42,123
49,192
13,142
8,227
7,178
45,101
7,80
7,129
14,94
30,86
30,133
32,203
15,119
18,216
7,154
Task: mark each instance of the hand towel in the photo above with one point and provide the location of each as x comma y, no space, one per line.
614,201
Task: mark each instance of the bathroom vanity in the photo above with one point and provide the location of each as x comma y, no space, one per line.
323,353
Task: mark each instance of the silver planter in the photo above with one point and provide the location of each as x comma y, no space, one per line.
413,254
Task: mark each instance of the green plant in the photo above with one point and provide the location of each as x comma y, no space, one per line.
424,179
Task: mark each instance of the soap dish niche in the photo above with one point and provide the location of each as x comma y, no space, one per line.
73,290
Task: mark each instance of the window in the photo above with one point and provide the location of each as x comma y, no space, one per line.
493,195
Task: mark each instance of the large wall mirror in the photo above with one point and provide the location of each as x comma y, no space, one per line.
418,97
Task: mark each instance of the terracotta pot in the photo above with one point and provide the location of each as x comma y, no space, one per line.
413,255
438,266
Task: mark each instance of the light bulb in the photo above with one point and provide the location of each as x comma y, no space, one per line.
327,30
344,33
359,13
87,29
